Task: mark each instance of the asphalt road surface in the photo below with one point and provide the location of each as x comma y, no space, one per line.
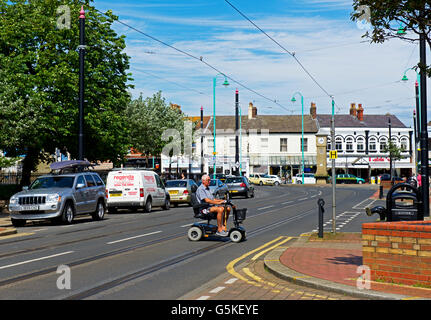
136,255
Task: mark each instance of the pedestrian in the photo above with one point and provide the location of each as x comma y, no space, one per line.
419,179
183,176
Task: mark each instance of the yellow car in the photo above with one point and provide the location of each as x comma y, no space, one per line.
261,179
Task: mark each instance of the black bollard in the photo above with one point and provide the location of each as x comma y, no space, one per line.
321,204
381,192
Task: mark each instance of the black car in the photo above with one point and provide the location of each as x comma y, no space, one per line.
240,186
387,177
220,176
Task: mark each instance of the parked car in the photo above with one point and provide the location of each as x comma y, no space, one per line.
261,179
277,179
218,189
220,176
387,177
135,188
180,191
348,178
308,178
240,186
59,197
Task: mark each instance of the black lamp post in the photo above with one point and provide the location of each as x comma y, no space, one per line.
81,49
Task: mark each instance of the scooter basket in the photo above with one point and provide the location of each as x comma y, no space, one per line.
240,214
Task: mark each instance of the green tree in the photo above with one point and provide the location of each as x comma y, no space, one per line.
149,118
39,74
7,162
386,17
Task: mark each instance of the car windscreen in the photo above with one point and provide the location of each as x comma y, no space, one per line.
176,184
234,180
52,182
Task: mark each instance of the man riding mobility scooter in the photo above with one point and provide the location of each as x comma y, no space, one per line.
201,230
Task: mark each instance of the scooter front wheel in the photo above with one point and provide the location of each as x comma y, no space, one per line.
236,236
195,234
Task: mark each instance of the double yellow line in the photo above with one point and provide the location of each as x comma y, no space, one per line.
256,281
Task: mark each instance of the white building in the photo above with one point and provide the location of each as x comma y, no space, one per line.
360,139
268,144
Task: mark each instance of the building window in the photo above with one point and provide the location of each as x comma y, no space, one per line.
404,144
383,145
305,144
232,146
373,145
339,144
210,145
283,144
349,145
360,145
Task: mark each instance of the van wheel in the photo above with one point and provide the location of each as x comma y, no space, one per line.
148,205
100,211
167,205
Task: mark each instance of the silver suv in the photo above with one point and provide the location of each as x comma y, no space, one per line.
59,197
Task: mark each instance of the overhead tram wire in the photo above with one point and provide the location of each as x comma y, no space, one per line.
282,47
196,58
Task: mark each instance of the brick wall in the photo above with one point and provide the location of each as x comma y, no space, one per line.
398,252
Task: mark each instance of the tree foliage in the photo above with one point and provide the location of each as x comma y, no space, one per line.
386,17
39,74
148,119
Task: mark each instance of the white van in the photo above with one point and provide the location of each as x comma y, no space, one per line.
126,188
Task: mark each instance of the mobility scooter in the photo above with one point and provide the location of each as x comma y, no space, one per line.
201,230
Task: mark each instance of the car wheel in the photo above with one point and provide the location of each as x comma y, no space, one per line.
360,182
99,214
194,234
167,205
18,222
68,214
261,183
148,205
276,183
247,194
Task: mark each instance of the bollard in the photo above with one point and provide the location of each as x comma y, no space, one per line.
321,203
381,192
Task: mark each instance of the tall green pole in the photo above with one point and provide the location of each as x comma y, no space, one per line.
214,126
334,181
302,138
302,103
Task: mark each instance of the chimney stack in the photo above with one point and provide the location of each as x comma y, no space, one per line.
313,110
353,109
252,111
360,113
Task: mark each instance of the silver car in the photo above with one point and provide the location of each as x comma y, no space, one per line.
59,198
218,189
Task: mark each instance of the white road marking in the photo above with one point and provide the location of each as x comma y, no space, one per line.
187,225
38,259
287,202
230,281
217,290
135,237
203,298
265,207
302,199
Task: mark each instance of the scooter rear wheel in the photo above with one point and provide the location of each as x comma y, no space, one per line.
195,234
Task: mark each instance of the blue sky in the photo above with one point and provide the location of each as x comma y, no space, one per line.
320,33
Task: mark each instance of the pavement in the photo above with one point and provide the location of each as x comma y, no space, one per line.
6,228
331,264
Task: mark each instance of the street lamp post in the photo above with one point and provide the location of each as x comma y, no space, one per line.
334,180
302,126
81,49
225,83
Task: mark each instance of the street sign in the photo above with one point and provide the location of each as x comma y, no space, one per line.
333,154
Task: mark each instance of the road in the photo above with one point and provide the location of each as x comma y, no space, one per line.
136,255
